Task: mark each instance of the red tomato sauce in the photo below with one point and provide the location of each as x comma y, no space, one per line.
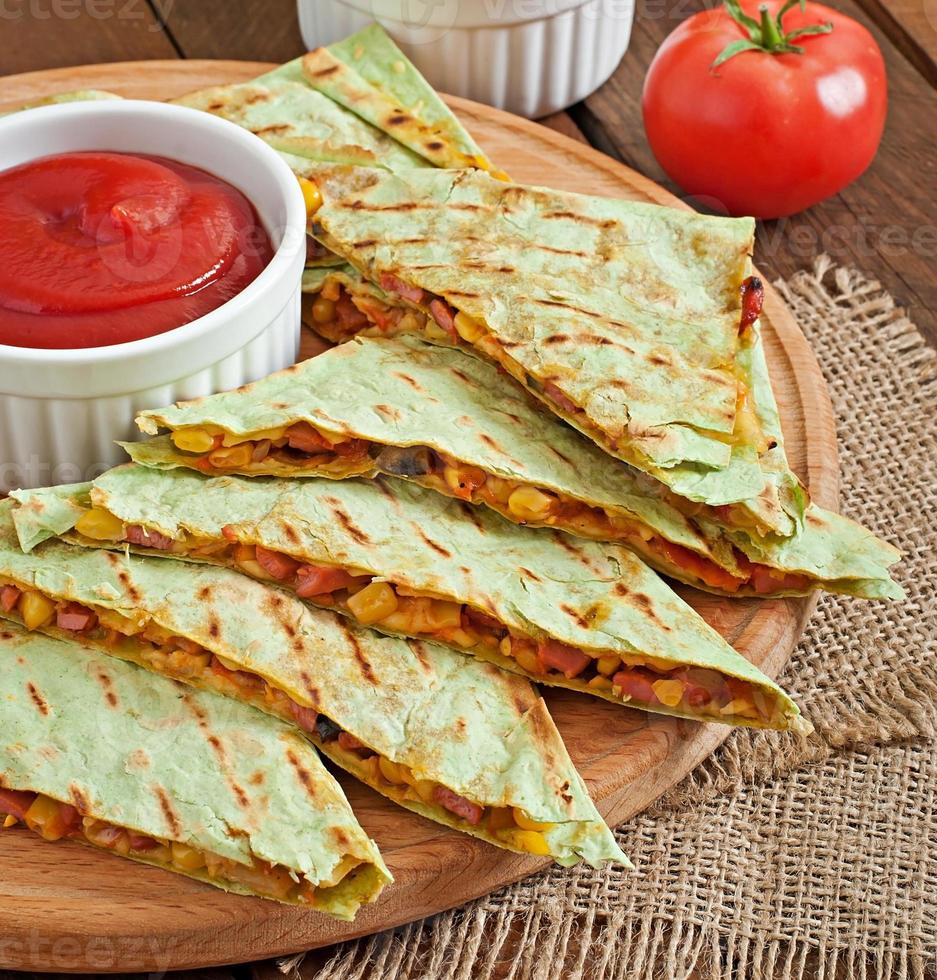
105,248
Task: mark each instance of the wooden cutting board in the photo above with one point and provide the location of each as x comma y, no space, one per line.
65,907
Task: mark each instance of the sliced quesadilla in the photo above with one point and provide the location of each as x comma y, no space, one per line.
627,320
452,422
98,751
392,712
406,560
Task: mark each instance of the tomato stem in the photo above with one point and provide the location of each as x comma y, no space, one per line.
767,34
772,36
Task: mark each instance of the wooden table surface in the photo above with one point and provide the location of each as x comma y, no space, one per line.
882,224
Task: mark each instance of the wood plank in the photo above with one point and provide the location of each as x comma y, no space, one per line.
233,29
149,919
883,224
52,35
911,25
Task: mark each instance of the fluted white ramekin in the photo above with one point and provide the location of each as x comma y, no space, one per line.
62,410
531,57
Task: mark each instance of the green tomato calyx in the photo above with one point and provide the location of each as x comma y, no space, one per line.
767,34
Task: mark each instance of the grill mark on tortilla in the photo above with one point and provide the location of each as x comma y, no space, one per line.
388,411
644,603
218,748
419,651
365,243
290,533
581,218
107,685
341,838
386,492
574,551
560,304
123,576
311,689
438,548
257,778
414,384
359,205
205,593
529,574
38,700
366,669
346,522
169,811
79,800
470,512
305,777
575,615
273,128
435,145
325,72
257,97
562,251
462,376
660,360
459,292
559,455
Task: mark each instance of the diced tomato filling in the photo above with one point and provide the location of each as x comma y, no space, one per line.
306,439
348,315
139,535
140,842
75,617
444,315
753,301
276,564
636,683
768,581
384,317
312,580
557,396
459,805
9,597
15,803
229,533
305,717
698,566
391,284
566,659
351,744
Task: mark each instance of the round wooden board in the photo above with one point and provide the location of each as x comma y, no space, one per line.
67,908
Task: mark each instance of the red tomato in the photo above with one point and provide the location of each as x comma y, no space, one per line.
787,121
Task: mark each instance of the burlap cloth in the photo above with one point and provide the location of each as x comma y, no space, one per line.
776,858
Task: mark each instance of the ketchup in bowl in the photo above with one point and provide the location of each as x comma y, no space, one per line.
103,248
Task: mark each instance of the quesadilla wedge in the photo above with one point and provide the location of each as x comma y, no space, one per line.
406,560
625,319
452,422
370,76
393,713
98,751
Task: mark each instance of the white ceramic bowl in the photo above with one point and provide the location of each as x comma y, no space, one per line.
61,410
531,57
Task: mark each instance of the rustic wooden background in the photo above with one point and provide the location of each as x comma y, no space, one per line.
884,224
